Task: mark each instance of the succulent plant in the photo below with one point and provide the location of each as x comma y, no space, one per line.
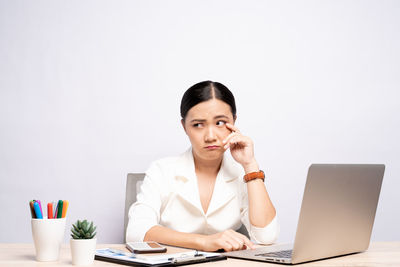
83,230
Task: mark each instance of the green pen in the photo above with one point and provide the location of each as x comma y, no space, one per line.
59,209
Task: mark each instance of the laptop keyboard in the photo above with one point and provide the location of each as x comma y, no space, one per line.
277,254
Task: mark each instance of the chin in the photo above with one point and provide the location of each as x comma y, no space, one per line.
215,154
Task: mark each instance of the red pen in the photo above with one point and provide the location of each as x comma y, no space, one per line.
50,210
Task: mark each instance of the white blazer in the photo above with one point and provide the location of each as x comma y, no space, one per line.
169,196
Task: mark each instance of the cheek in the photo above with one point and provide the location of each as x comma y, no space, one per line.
223,132
193,136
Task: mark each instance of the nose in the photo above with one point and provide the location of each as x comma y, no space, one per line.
210,135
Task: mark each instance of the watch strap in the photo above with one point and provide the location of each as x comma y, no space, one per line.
254,175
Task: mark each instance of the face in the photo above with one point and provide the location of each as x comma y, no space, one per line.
205,126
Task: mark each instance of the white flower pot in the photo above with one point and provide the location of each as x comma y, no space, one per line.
48,235
82,251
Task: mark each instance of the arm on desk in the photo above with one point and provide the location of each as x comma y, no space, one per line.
228,240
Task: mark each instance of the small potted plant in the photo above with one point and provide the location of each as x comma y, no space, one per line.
83,242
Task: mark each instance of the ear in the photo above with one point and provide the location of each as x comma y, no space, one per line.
234,119
183,125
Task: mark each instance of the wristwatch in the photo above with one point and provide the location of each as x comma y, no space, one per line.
254,175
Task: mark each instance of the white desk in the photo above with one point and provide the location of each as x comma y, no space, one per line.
378,254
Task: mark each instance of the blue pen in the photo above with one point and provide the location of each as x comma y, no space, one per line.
40,206
36,207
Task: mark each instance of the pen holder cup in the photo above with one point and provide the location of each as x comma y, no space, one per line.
48,235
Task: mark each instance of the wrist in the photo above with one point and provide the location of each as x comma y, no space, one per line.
199,241
251,167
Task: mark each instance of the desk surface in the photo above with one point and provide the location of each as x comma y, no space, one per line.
378,254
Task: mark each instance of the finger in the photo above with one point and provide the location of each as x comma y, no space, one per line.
240,242
245,240
226,246
235,140
232,127
235,242
248,243
239,238
232,134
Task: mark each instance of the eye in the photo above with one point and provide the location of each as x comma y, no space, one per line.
197,125
221,123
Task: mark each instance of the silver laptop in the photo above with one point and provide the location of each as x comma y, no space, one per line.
336,216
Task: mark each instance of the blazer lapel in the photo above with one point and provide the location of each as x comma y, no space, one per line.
186,176
225,188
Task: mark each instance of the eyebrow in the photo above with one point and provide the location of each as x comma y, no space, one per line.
216,117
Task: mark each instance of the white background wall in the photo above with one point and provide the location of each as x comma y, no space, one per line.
90,90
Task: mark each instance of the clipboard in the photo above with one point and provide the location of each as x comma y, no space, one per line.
177,259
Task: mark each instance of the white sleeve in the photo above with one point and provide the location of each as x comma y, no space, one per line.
265,235
145,212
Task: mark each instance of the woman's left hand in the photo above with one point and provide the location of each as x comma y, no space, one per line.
242,148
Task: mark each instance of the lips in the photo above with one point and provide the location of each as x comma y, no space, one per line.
212,147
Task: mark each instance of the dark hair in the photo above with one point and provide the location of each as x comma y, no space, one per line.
204,91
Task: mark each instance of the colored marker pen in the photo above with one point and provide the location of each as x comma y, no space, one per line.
32,209
65,207
59,209
40,206
54,209
37,210
50,210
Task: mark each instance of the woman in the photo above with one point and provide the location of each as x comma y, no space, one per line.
199,199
